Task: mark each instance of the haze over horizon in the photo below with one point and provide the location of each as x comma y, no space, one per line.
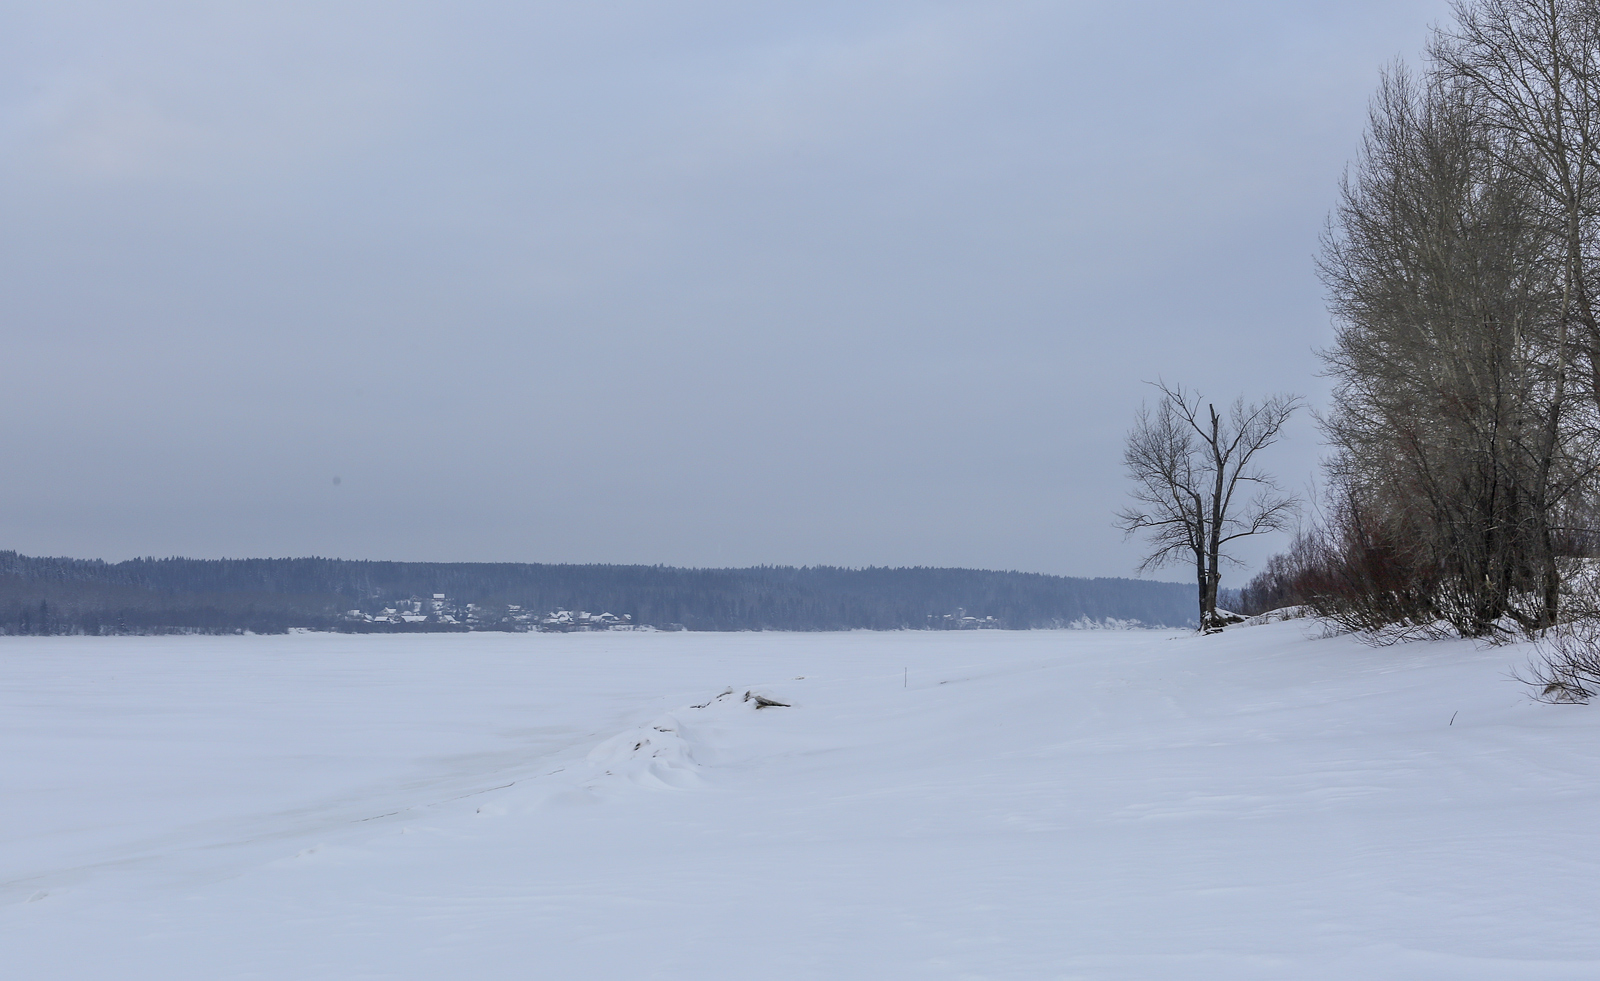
693,283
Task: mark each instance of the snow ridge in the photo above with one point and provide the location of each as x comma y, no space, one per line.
669,750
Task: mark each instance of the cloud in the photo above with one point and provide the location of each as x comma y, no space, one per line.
204,93
824,93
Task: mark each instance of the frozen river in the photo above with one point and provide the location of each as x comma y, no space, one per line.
1114,805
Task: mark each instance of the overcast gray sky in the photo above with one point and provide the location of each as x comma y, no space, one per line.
696,283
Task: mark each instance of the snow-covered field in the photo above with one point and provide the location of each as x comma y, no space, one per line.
931,805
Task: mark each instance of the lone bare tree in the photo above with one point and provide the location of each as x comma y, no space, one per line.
1196,484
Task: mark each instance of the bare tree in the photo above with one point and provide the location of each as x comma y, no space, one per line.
1196,484
1457,443
1531,69
1461,266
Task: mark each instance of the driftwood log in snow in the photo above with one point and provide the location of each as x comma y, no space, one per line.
763,701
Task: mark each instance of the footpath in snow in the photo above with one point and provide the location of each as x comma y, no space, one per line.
1075,804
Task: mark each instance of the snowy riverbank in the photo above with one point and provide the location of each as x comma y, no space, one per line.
1077,804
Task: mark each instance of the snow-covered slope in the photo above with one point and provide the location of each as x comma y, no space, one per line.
963,805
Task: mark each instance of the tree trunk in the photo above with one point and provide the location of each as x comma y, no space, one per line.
1214,540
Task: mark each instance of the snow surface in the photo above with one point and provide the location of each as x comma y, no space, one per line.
990,804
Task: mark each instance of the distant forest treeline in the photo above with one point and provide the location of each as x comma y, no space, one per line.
85,596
